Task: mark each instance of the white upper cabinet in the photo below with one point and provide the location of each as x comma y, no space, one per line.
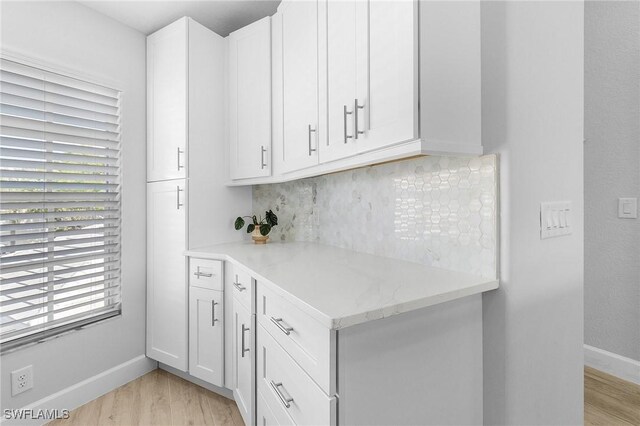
249,55
361,82
167,102
387,86
298,81
342,77
372,68
299,22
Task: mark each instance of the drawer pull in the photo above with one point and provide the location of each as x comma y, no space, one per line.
278,323
202,274
213,313
243,349
314,131
285,401
356,107
237,285
344,117
178,203
263,164
180,166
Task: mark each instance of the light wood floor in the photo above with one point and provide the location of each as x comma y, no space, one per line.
157,398
160,398
609,401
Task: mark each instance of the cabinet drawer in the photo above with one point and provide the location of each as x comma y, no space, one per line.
205,273
307,341
283,383
268,415
241,285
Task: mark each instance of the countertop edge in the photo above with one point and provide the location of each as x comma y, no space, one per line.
319,316
361,317
425,302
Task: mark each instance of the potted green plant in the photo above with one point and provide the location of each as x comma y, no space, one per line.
258,228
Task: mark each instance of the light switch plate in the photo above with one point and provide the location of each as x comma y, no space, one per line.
628,208
555,219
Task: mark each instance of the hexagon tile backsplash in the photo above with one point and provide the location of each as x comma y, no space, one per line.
438,211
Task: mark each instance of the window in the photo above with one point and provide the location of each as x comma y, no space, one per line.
59,203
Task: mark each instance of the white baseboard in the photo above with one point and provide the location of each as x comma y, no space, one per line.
89,389
624,368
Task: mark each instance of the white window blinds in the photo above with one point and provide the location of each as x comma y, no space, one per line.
59,203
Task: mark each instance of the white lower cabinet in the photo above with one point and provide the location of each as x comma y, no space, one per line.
272,382
206,335
205,273
284,384
244,360
304,339
166,269
283,366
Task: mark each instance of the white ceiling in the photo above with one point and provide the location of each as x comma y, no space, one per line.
221,16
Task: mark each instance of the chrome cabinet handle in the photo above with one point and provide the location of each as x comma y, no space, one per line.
356,107
278,323
213,313
344,116
243,349
178,191
237,285
285,401
311,149
202,274
263,164
180,166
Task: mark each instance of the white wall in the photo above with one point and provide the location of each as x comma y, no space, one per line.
612,170
532,77
75,37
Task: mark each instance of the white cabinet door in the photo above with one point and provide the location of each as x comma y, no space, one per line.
341,61
167,102
372,75
206,344
244,360
387,84
300,84
166,273
250,100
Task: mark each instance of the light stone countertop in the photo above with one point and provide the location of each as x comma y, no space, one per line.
340,287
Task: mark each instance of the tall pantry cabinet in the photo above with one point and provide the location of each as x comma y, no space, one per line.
186,171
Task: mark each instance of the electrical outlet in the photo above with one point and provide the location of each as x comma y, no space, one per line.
21,380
